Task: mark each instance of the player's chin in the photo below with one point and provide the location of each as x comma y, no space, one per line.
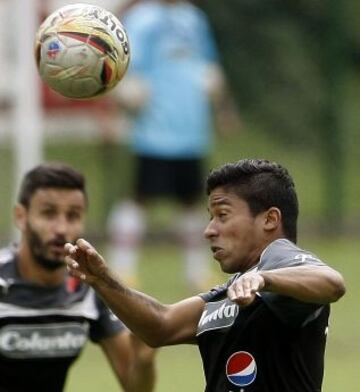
223,264
227,265
51,263
57,259
56,252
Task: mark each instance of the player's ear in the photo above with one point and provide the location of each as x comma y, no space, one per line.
273,219
20,213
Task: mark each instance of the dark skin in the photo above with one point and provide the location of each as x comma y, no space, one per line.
237,239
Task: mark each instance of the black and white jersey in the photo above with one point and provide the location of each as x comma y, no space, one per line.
43,330
276,344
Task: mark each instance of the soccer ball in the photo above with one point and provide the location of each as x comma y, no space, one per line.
81,51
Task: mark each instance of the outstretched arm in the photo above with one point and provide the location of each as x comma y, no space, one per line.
132,361
155,323
313,284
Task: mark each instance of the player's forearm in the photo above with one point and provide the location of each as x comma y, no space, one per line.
155,323
142,378
142,314
143,374
320,284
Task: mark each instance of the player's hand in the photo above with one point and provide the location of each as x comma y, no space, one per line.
243,290
84,262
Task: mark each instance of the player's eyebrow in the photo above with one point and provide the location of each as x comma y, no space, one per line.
76,207
220,202
48,204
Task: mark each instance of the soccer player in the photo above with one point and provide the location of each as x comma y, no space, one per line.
47,316
265,329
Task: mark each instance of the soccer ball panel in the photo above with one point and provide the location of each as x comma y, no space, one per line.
82,51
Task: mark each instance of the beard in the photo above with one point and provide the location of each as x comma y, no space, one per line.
39,251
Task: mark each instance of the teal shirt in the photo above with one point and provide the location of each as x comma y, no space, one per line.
171,45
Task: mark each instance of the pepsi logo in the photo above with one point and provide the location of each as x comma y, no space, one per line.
241,369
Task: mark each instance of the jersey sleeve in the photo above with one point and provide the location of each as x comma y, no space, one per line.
106,325
281,254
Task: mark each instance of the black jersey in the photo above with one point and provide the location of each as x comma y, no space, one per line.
276,344
43,330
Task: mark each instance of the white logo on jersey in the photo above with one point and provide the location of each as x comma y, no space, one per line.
4,285
39,340
218,315
225,311
304,257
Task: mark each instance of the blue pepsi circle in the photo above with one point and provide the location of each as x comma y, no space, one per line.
241,369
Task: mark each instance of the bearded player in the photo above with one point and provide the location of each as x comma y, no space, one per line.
46,316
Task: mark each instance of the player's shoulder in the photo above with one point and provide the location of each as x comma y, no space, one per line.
194,10
6,255
142,14
283,252
193,14
282,244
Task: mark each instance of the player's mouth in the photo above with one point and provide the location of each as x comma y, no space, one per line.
57,247
217,252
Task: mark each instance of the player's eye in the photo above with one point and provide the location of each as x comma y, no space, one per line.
222,215
48,213
74,216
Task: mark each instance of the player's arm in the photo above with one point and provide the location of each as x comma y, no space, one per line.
155,323
132,361
318,284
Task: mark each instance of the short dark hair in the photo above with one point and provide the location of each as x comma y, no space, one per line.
50,175
262,184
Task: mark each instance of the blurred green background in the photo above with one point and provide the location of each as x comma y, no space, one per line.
293,72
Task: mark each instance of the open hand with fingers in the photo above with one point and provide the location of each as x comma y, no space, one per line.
243,290
85,263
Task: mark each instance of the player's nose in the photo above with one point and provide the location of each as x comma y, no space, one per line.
210,230
61,225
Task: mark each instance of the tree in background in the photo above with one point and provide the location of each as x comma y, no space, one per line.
287,64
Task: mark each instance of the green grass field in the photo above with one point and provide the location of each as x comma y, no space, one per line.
179,367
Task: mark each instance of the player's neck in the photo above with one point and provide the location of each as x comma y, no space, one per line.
30,270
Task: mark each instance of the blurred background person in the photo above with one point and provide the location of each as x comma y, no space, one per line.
46,316
172,83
